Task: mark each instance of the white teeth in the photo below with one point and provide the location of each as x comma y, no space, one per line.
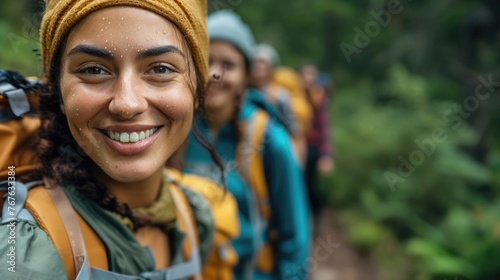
134,137
125,137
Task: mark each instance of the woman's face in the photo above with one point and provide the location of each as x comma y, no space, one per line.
228,62
127,89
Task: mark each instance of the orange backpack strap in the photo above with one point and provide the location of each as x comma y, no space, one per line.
251,161
41,205
69,232
186,221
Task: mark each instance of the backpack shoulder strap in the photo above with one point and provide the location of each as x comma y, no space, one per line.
186,220
69,232
251,160
50,209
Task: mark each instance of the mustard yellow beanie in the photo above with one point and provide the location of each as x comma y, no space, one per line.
188,15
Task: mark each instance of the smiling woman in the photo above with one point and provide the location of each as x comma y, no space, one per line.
133,79
124,79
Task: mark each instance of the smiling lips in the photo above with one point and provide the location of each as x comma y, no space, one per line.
132,137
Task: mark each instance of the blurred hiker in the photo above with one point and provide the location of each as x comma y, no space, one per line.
319,148
261,171
120,100
281,86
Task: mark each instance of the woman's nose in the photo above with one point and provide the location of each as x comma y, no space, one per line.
216,73
128,97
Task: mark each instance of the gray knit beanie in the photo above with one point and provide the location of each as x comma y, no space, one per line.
227,26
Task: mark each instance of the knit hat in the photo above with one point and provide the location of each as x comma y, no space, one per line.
268,53
188,15
227,26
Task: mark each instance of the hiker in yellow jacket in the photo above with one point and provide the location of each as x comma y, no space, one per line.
124,80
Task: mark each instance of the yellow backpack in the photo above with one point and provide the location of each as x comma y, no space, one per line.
289,79
250,160
222,257
285,80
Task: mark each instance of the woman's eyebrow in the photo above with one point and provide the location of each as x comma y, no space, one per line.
159,51
90,51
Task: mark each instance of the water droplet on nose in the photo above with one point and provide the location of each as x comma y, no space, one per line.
164,31
102,29
106,41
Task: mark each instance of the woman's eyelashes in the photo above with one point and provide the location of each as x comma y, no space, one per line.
93,70
161,69
97,70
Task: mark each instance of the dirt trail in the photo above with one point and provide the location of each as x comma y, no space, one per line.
333,258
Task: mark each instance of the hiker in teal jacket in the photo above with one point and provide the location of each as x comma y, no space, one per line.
229,109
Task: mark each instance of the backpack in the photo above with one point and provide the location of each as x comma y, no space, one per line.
289,79
51,210
222,257
250,160
17,123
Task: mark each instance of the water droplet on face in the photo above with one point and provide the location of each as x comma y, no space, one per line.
115,49
164,31
102,29
122,18
126,38
106,41
109,22
139,28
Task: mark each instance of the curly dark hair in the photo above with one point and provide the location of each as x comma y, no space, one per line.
66,163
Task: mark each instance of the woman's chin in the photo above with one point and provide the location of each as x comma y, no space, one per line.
130,174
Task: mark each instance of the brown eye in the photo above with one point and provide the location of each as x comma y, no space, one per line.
93,70
160,69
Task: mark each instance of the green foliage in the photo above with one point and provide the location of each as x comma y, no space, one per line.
426,207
